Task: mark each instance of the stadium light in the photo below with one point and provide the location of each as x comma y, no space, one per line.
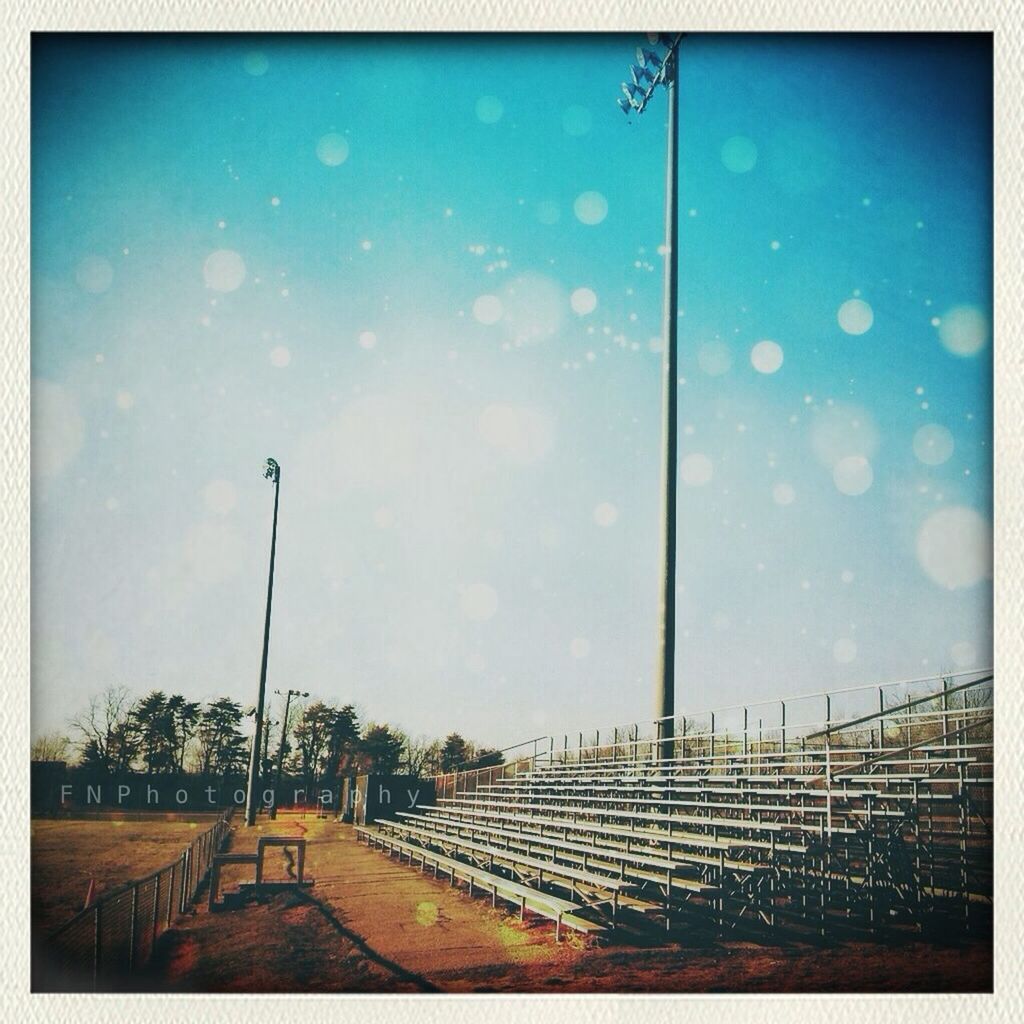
272,471
655,69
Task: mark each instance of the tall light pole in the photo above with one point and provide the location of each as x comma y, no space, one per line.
272,471
656,67
280,749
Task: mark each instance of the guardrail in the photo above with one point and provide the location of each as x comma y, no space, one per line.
111,939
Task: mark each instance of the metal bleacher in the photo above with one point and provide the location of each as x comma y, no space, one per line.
751,819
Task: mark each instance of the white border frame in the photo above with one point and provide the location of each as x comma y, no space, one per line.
25,17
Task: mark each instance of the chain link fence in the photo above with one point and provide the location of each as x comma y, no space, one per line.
106,942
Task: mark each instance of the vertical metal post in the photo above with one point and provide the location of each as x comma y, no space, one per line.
97,937
170,896
783,735
881,720
945,711
664,686
828,762
250,805
132,927
183,888
156,912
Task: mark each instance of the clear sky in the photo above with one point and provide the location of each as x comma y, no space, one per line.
424,275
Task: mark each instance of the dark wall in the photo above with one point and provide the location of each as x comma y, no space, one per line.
383,796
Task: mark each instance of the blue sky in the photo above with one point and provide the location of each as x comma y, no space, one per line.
424,274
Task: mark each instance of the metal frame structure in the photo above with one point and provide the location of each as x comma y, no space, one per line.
848,813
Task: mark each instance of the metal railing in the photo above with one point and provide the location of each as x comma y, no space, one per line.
108,941
448,782
861,720
784,728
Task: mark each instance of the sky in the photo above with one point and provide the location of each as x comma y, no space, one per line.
425,275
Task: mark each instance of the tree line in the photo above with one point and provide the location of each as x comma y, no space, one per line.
163,733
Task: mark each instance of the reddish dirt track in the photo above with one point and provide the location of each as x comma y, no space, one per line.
369,924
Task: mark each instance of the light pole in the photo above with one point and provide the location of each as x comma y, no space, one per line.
280,749
272,471
654,68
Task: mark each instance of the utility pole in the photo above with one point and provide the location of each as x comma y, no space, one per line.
280,748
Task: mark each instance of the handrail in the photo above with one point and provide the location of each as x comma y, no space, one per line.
793,698
504,750
886,712
889,755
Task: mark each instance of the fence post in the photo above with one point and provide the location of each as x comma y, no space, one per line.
156,911
783,735
131,932
96,938
170,898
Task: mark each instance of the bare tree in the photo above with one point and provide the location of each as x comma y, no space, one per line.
109,738
422,756
53,746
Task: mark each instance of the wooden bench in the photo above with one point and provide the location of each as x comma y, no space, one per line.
562,912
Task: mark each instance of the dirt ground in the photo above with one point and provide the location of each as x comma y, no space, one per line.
66,853
369,924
